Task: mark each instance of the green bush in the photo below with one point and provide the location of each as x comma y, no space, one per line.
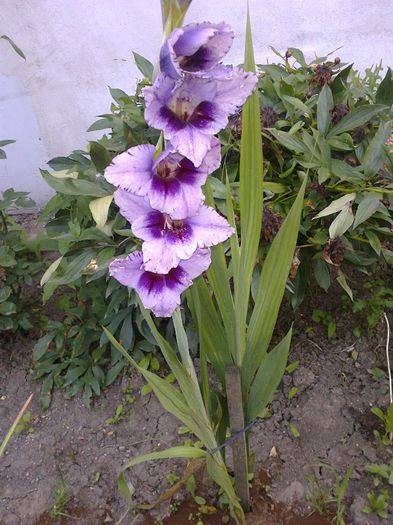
19,262
322,118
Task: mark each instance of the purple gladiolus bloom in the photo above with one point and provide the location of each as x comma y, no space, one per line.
171,182
168,242
191,111
159,292
195,48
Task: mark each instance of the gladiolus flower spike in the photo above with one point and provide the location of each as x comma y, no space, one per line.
161,196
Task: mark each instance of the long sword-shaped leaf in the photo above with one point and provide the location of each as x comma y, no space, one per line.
251,199
271,289
268,378
169,396
219,279
212,337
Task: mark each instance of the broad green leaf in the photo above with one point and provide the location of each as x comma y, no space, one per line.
99,155
271,289
50,271
14,46
251,199
288,141
337,205
5,292
297,104
268,377
322,274
359,116
342,222
73,268
367,207
99,209
374,241
339,83
375,153
324,106
144,66
384,93
342,281
64,174
7,308
77,186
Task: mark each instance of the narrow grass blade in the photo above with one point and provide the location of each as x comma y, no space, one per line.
271,289
251,199
14,425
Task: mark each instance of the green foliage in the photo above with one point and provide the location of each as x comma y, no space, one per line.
378,503
387,420
19,262
325,118
373,297
325,319
24,424
322,495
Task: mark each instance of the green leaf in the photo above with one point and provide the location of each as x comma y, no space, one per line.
50,271
6,142
322,274
251,200
73,268
342,281
73,187
324,106
367,207
374,241
384,93
289,141
41,347
14,46
340,80
144,66
271,289
359,116
100,156
374,156
341,223
99,209
268,377
7,308
5,292
211,333
337,205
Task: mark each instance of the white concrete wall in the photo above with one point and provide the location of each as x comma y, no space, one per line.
75,48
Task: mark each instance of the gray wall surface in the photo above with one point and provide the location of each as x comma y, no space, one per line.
76,48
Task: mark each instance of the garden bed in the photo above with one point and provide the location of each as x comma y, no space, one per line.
66,459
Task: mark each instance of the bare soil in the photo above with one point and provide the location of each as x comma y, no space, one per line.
73,445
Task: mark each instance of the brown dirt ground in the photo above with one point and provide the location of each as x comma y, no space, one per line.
73,444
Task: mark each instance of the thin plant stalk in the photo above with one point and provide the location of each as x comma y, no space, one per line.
14,425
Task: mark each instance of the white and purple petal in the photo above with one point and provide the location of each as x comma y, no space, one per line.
195,48
131,170
196,108
159,292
